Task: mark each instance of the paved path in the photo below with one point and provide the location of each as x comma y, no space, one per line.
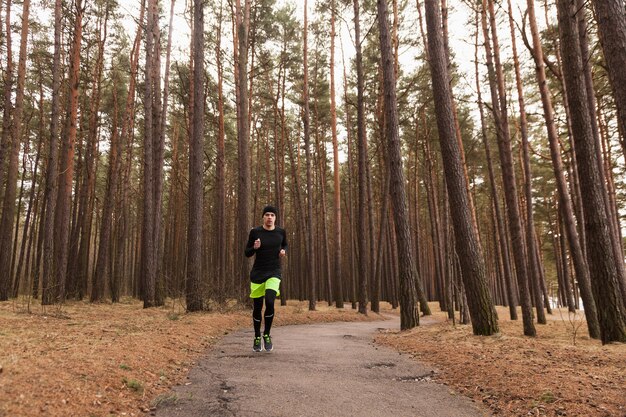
315,370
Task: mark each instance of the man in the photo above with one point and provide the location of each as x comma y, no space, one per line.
269,243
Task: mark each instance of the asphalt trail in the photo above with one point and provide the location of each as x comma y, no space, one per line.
315,370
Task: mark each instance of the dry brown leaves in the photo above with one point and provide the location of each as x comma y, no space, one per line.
515,375
102,359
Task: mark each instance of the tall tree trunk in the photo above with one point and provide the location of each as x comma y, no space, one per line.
81,273
310,229
8,209
324,261
66,168
220,167
484,319
194,233
565,201
120,189
337,182
530,222
32,258
8,89
383,173
160,108
612,32
567,290
157,163
409,279
531,266
500,223
38,254
382,242
283,142
148,261
432,197
51,172
457,127
601,255
499,110
363,264
350,208
102,260
243,138
18,217
33,191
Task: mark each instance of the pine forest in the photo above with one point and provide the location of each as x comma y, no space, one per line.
463,158
407,165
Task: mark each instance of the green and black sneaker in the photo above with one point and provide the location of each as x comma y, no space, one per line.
267,342
256,346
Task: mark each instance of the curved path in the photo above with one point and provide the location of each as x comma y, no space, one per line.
331,369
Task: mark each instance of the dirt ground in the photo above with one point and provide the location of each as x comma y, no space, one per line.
103,360
516,375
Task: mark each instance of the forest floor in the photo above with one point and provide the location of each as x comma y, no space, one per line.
81,359
561,372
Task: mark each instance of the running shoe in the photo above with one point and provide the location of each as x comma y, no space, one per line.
256,346
267,342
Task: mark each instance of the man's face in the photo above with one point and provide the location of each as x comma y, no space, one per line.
268,219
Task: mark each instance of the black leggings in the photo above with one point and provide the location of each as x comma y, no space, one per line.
270,296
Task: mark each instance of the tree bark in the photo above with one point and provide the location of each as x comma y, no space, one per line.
533,265
484,319
612,33
160,124
8,210
194,233
80,275
601,256
350,210
567,290
500,223
432,197
17,220
243,139
337,182
220,167
409,314
33,191
51,171
499,110
148,260
565,200
310,229
363,264
8,88
113,200
324,246
64,196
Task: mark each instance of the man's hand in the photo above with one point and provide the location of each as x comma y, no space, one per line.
282,253
257,244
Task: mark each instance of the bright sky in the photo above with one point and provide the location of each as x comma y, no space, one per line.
461,38
461,32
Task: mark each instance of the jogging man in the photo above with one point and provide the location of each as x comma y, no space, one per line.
269,243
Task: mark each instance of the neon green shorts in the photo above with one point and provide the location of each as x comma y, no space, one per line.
258,290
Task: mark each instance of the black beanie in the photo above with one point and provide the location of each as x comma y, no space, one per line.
270,209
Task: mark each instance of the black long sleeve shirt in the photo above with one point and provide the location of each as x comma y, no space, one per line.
267,260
